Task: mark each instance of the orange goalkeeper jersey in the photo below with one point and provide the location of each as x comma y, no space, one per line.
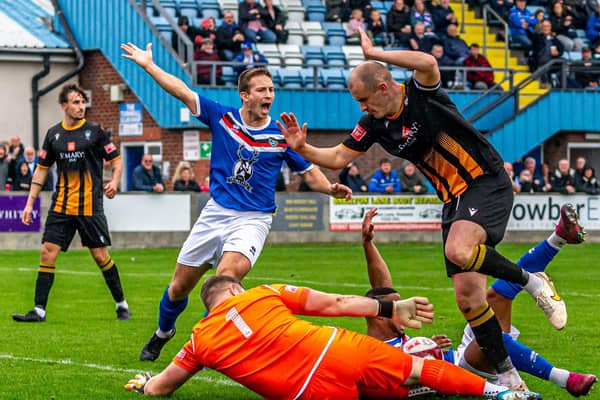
254,339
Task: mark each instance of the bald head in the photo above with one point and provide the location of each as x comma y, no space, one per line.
369,74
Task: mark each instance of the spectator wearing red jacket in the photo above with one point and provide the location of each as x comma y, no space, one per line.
205,51
479,80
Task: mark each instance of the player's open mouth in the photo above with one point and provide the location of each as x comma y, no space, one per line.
265,107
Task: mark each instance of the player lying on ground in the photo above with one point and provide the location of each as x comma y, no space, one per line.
468,355
253,338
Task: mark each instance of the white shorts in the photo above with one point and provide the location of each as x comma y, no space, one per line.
220,229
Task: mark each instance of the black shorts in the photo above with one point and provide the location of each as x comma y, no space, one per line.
487,202
60,229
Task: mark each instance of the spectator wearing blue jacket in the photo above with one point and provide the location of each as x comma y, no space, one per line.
521,20
147,176
593,28
249,58
385,180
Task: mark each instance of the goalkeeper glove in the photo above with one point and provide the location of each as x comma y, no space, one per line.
138,383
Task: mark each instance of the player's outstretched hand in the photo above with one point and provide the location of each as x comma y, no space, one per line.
413,311
138,383
442,340
26,216
110,189
368,230
365,43
294,135
142,57
340,191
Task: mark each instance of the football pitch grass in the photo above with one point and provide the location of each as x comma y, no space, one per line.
83,352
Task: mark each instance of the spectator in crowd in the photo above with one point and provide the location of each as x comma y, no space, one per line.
337,10
540,15
208,28
443,15
526,182
22,180
448,76
16,148
563,178
545,173
147,176
420,14
385,179
229,38
206,52
540,183
478,80
455,48
420,41
545,47
596,52
593,28
356,21
508,167
191,31
398,23
350,176
410,179
249,58
589,183
581,10
274,19
502,7
205,187
29,158
363,5
376,27
563,27
521,21
4,166
251,20
584,78
580,164
183,179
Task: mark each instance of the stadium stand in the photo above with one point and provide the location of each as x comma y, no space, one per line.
313,32
335,32
291,55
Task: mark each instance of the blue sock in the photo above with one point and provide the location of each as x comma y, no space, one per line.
526,360
535,260
168,311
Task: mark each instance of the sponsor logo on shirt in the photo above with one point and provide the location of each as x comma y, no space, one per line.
109,148
358,133
43,154
71,146
181,355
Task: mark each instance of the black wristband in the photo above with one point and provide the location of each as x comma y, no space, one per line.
386,308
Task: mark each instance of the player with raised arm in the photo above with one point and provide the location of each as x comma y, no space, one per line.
253,337
468,355
79,148
417,121
248,152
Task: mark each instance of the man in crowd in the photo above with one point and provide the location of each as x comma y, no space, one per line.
563,178
147,176
248,152
410,179
385,179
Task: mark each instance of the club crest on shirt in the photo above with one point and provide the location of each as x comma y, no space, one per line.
358,133
71,146
243,169
56,136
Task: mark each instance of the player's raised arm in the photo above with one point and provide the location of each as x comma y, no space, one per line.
379,273
295,136
317,181
426,71
170,83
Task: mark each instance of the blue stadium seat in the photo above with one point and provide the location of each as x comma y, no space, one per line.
334,55
170,7
290,78
336,34
398,74
308,76
316,12
313,55
229,76
189,8
333,78
379,5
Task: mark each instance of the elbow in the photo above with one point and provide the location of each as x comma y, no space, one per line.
429,62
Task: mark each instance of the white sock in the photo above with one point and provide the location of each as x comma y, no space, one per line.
123,304
534,285
40,311
559,376
510,378
164,335
490,390
556,241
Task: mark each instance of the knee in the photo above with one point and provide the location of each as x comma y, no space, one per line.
179,289
236,271
458,254
48,254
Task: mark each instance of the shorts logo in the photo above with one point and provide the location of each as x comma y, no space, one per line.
71,146
473,211
253,250
109,148
43,154
358,133
101,239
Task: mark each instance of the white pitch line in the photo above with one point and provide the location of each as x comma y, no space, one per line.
282,280
203,378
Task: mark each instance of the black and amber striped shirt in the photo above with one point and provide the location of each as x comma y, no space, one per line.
79,153
431,133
